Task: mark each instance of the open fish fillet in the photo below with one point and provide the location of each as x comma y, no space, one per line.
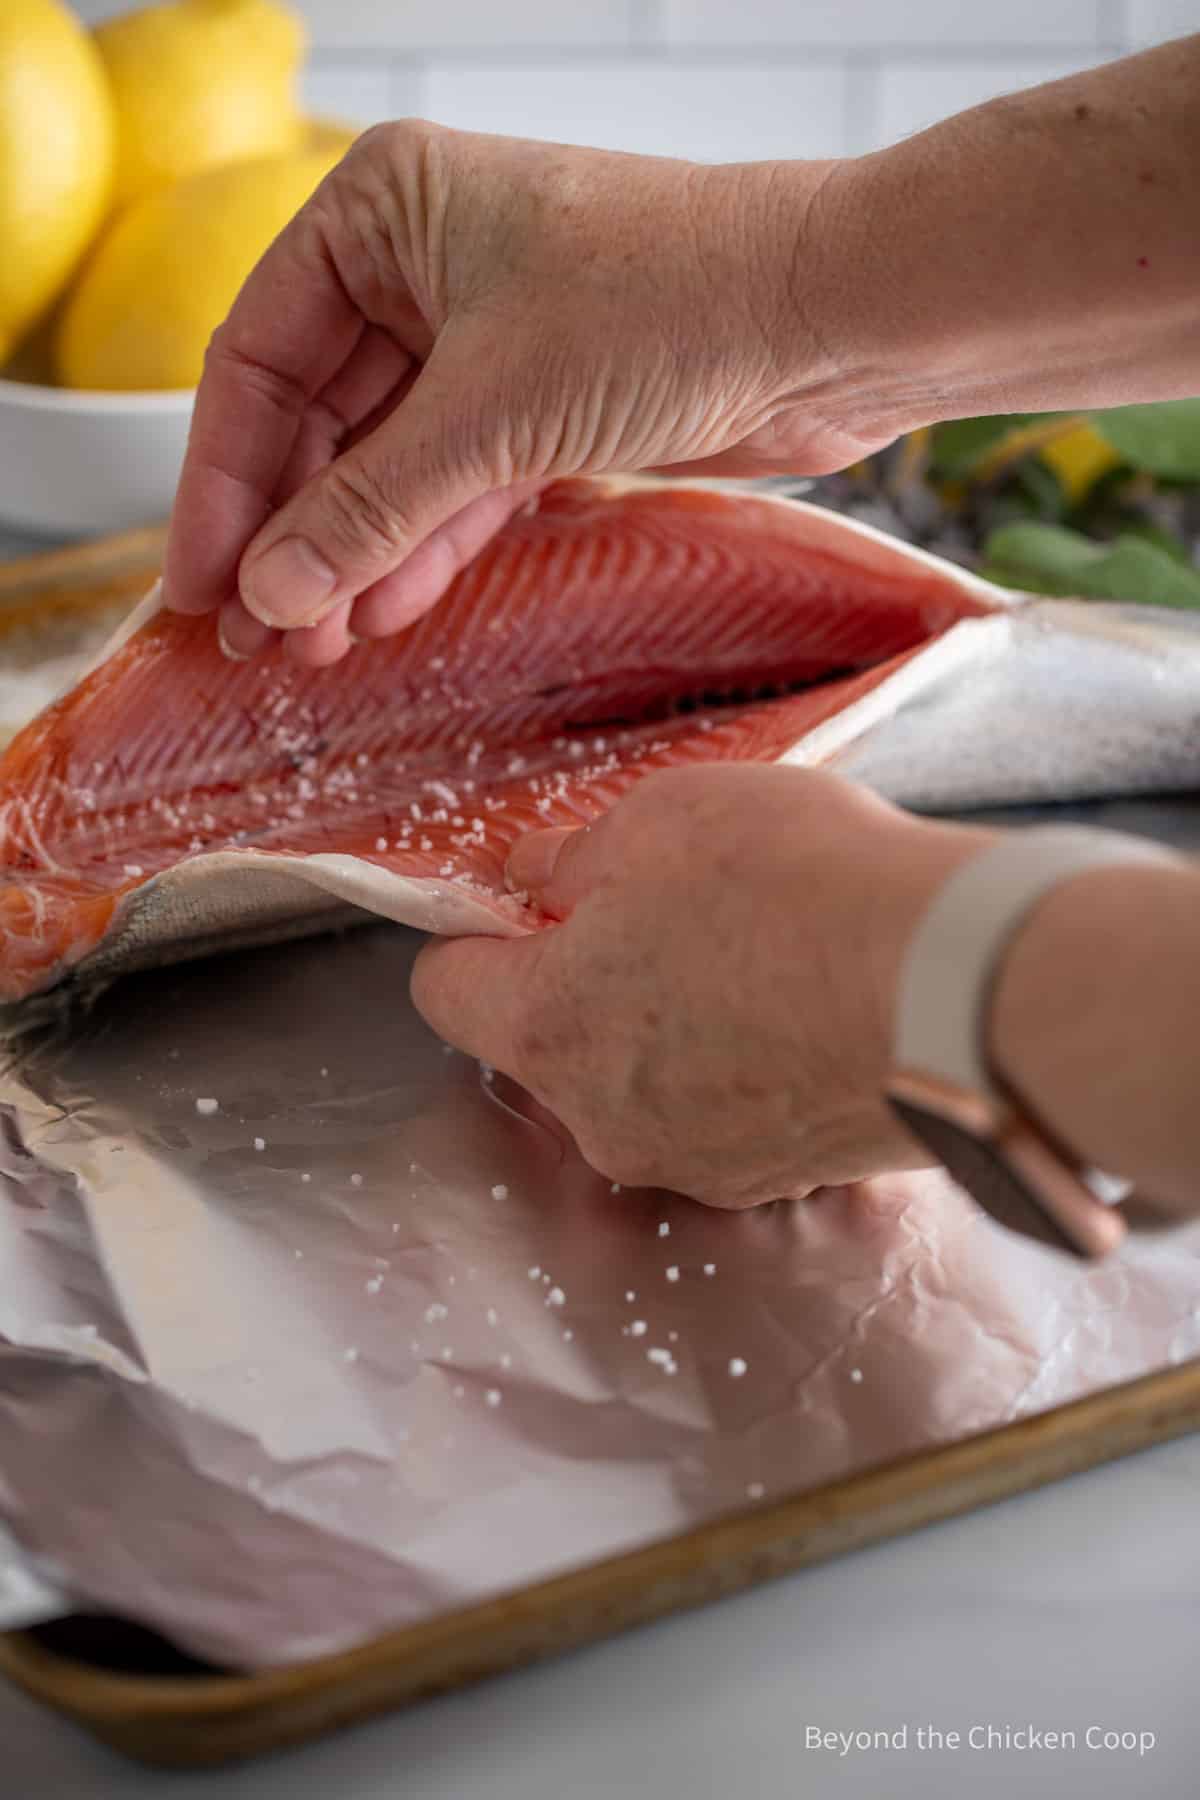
173,801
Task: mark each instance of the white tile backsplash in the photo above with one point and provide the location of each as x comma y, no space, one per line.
865,24
710,114
1151,21
914,95
715,79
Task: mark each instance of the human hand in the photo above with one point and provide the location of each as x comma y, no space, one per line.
452,320
714,1013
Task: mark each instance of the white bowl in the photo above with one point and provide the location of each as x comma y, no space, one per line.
75,464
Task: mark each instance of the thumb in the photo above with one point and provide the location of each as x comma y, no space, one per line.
560,868
365,513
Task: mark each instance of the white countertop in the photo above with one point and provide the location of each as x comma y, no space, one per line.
1072,1608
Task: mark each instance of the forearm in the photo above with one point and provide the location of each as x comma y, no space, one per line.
1095,1023
1037,253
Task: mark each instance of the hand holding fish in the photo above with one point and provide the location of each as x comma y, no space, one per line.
453,319
714,1012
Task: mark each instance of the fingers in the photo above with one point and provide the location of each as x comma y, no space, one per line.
360,517
291,329
475,993
560,868
423,577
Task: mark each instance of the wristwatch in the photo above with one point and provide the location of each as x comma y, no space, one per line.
942,1086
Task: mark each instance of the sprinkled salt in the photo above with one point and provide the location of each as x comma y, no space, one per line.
493,1396
755,1490
447,1352
556,1297
499,1191
134,869
260,1143
630,1294
298,1254
615,1188
673,1272
356,1180
305,1175
710,1268
664,1229
350,1354
737,1367
856,1374
435,1312
534,1271
637,1328
663,1359
568,1334
381,843
206,1106
374,1284
492,1316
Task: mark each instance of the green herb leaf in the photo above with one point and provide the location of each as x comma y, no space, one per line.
959,447
1163,439
1050,559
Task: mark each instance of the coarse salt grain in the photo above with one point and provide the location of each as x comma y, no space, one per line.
856,1374
710,1268
673,1272
374,1284
492,1316
260,1143
356,1181
534,1271
350,1354
664,1229
637,1328
630,1294
206,1106
755,1490
556,1297
738,1366
499,1191
493,1396
435,1312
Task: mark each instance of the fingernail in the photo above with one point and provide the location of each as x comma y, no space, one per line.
289,584
532,860
227,649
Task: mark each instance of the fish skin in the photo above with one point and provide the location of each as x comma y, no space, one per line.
174,801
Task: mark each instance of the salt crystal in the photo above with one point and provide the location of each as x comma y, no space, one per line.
206,1106
664,1229
324,1074
356,1180
638,1328
493,1396
447,1352
381,843
492,1316
672,1337
673,1272
134,869
350,1354
556,1297
568,1334
374,1284
663,1359
755,1490
499,1192
630,1294
299,1255
856,1374
615,1188
305,1176
710,1268
534,1271
737,1367
260,1143
435,1312
506,1361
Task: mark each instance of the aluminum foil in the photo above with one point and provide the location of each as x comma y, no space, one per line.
309,1328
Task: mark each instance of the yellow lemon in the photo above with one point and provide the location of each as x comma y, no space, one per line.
55,156
169,269
330,134
200,82
1079,458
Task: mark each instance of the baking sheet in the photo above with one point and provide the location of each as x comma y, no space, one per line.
309,1329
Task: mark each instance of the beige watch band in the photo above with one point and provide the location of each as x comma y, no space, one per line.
952,960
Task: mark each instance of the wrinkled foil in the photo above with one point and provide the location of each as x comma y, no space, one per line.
310,1328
